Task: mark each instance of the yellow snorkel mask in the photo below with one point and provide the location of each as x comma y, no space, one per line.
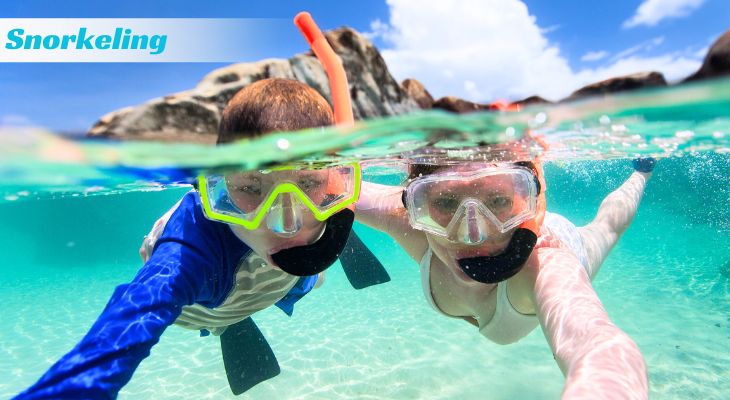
279,195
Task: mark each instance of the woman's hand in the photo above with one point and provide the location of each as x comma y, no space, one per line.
148,243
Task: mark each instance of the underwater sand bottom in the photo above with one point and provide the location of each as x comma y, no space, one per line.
385,342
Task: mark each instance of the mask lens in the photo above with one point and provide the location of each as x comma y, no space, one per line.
245,197
505,197
246,191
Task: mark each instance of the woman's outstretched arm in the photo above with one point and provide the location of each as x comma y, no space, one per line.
380,207
599,360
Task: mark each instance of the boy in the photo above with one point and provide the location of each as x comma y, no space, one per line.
238,244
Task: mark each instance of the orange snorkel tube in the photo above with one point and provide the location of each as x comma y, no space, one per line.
341,103
365,269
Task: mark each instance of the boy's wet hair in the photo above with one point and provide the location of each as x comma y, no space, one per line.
272,105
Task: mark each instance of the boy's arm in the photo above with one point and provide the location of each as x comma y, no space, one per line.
380,207
596,357
180,272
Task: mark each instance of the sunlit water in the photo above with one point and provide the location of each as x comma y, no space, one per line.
73,215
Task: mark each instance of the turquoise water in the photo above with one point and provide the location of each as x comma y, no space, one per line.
666,283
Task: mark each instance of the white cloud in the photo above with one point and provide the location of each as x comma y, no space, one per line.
674,67
15,120
484,50
594,55
495,44
644,46
378,29
550,29
651,12
701,52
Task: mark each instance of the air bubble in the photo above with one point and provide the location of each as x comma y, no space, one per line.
684,134
283,144
540,118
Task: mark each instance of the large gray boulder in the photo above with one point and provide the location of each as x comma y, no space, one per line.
717,60
193,115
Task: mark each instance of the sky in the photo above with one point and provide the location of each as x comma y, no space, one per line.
480,50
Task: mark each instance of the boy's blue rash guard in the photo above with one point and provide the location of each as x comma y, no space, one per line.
194,261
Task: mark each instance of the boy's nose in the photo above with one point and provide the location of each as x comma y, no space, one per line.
285,216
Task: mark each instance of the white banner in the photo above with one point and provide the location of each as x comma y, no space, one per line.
139,39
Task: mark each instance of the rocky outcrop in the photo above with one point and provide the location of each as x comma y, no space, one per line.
172,118
639,80
459,106
193,115
373,90
532,100
415,90
717,60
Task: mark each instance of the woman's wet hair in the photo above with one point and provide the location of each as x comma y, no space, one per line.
273,105
417,170
512,152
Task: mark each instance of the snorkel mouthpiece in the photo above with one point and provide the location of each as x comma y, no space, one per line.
494,269
314,258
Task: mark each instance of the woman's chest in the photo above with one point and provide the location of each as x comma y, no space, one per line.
455,297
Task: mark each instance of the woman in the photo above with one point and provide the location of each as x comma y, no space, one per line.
492,256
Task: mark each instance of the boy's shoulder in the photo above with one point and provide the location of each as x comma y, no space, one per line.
190,209
186,220
191,202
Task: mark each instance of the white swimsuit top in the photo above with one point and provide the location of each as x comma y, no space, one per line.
506,326
509,325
